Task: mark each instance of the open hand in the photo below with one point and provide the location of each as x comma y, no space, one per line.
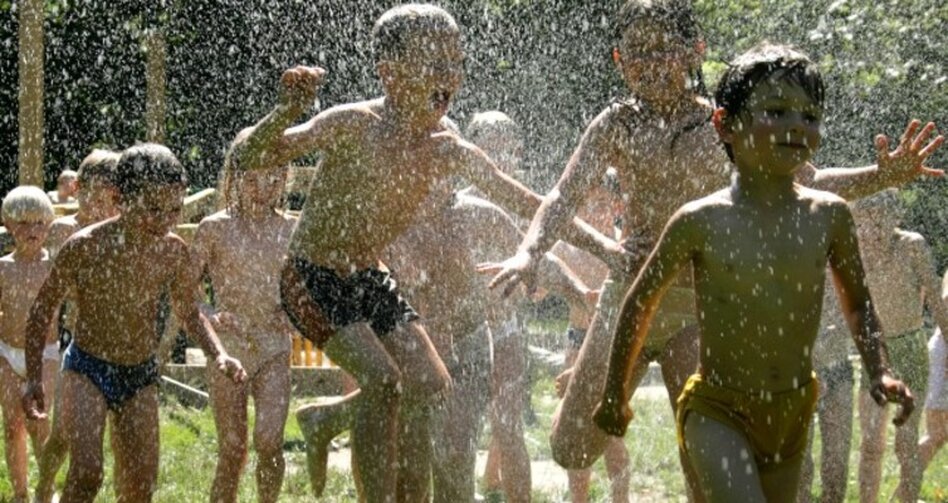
231,367
33,401
613,416
299,84
521,268
889,389
907,161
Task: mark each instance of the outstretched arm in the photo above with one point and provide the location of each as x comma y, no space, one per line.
893,169
271,142
856,306
675,248
596,151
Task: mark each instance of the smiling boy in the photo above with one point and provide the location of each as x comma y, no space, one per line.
759,250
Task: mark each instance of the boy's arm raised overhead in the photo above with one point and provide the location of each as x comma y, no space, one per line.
676,248
272,142
184,302
892,169
43,313
595,153
856,305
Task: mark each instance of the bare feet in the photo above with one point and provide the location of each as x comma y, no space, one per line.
319,423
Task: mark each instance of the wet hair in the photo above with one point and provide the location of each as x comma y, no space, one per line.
147,167
675,15
67,175
766,61
27,202
396,26
99,166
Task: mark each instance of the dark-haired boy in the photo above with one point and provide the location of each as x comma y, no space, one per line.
118,270
381,159
759,250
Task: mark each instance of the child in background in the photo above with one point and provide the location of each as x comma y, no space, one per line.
66,188
901,274
119,270
936,403
241,249
759,251
98,200
27,214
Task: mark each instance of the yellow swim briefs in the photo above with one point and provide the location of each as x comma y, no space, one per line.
775,424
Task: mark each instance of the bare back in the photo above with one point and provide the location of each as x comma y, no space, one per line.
891,275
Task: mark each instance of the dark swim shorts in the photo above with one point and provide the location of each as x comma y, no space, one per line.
117,383
368,295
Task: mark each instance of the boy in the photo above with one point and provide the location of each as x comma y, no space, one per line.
66,188
758,250
119,270
380,160
647,138
98,200
901,274
27,214
95,195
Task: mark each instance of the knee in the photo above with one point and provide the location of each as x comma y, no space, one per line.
268,447
385,384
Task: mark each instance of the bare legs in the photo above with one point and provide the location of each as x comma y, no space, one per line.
835,412
270,388
508,463
16,428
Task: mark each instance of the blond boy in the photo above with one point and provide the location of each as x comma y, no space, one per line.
759,251
66,187
242,249
380,160
27,214
119,270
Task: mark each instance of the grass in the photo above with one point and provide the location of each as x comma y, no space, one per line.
188,458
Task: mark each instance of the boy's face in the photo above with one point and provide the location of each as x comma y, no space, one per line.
424,80
260,188
97,194
28,232
653,60
154,212
779,128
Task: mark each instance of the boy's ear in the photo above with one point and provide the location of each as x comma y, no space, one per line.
384,69
616,57
722,124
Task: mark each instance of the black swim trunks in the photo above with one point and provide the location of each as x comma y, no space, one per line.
117,383
368,295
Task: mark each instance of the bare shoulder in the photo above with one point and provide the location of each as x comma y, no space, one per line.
66,223
911,241
820,200
352,115
706,208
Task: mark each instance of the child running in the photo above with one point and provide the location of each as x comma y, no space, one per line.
381,159
119,270
27,214
650,138
901,274
759,251
242,249
98,200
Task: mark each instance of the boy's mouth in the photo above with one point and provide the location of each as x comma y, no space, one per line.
791,145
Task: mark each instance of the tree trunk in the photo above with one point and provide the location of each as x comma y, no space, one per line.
31,58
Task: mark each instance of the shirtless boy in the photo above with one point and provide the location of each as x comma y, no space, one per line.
98,200
118,270
759,251
936,403
96,197
380,160
664,150
242,249
66,188
901,274
27,214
